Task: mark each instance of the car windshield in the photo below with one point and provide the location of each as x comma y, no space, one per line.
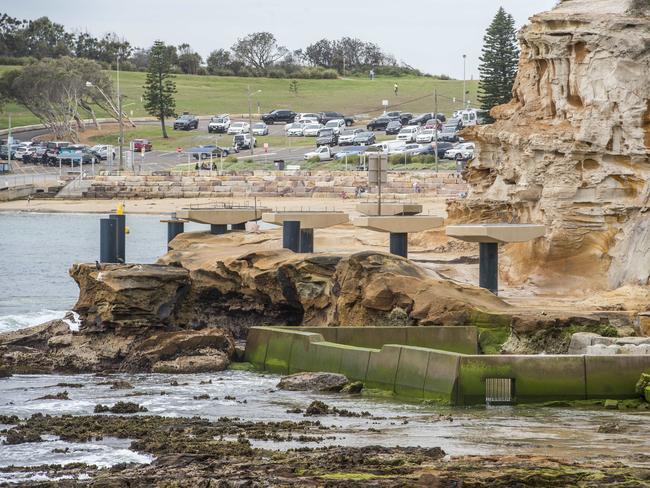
332,123
218,119
313,126
259,126
349,132
238,124
428,131
184,117
325,132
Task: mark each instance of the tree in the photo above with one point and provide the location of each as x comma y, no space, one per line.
159,87
188,61
53,90
258,50
218,60
499,61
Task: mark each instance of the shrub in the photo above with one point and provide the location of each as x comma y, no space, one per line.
202,71
276,73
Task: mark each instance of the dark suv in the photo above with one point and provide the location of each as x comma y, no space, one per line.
186,122
327,137
286,116
325,117
379,123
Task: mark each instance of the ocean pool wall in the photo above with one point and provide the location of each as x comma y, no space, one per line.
445,376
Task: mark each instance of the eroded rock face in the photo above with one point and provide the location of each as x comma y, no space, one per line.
571,149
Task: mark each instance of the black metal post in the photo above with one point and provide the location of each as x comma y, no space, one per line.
218,229
399,244
291,235
174,228
107,240
241,226
306,240
120,222
489,266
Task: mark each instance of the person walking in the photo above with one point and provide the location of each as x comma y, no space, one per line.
395,89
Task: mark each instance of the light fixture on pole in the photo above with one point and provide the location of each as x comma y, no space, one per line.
250,116
464,77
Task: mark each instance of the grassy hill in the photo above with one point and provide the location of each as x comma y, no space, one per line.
213,94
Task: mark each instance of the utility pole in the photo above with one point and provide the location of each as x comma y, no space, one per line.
250,119
9,143
435,130
464,76
119,109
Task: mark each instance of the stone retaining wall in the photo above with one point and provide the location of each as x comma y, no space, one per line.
316,184
445,376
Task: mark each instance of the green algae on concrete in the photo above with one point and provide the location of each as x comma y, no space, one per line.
382,367
354,362
412,371
614,376
441,381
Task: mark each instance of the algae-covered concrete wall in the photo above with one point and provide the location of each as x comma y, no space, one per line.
445,376
456,339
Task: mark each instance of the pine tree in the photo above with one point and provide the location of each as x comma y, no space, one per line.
160,87
499,61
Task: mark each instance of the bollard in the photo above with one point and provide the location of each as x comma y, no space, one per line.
240,226
107,240
307,240
174,227
291,235
489,266
399,243
120,222
218,229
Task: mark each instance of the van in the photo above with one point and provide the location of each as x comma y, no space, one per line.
390,146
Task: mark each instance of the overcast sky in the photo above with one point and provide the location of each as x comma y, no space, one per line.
431,35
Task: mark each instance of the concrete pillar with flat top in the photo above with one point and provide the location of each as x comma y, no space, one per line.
291,235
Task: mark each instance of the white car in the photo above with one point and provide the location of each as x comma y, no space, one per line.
311,130
260,129
337,124
409,133
238,128
308,120
20,152
346,136
295,129
323,153
102,151
301,117
426,136
461,151
219,123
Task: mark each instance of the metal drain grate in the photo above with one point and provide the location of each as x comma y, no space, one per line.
499,391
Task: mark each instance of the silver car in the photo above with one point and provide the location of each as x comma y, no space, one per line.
260,129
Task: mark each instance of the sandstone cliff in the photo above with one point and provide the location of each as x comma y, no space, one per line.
571,149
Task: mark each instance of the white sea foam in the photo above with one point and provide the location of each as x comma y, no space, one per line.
21,321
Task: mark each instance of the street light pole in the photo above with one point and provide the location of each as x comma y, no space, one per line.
119,109
435,129
464,77
250,116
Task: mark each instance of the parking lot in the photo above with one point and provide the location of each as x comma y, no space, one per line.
280,147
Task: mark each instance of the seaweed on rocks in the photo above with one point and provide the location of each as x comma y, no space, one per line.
120,408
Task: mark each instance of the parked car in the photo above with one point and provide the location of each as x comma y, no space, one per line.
325,117
336,124
410,149
350,151
186,122
219,124
76,153
102,151
403,117
347,135
20,151
286,116
464,151
364,139
139,144
389,147
327,137
36,155
408,133
244,141
442,147
433,124
52,152
393,127
311,130
260,129
302,117
421,119
238,128
426,136
208,151
295,129
378,123
323,153
449,133
7,151
456,122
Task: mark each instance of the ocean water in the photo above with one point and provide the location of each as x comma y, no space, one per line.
37,249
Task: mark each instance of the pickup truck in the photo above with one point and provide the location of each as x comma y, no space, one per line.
325,117
186,122
286,116
323,153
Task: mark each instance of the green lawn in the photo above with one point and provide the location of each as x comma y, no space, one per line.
205,95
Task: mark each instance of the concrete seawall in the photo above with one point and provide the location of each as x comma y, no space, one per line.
308,184
438,372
